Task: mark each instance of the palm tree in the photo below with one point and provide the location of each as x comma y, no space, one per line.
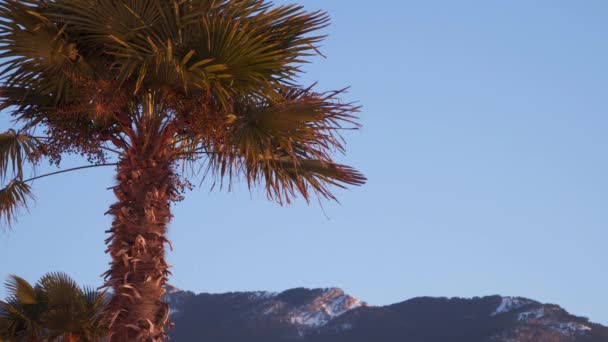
22,311
55,309
161,90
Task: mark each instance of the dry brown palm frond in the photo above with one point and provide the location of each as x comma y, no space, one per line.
12,198
15,150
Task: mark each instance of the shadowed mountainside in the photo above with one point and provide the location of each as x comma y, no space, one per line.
324,315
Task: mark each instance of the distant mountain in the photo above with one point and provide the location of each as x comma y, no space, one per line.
330,315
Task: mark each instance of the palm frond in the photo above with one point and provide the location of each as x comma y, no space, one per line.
13,198
18,320
226,46
61,289
21,290
284,178
15,150
66,310
327,172
22,309
52,308
37,52
94,298
285,143
95,302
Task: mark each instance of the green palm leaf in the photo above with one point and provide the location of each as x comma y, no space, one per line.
284,178
66,304
285,142
56,306
21,290
22,309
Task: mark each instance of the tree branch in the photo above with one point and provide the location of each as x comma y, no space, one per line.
68,170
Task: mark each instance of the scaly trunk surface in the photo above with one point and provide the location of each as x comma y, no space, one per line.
138,273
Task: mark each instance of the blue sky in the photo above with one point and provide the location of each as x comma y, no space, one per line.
484,142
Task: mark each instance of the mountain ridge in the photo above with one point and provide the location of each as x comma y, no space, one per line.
319,315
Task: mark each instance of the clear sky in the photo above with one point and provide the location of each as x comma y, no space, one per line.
485,144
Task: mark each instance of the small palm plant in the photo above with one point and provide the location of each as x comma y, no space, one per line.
21,313
55,309
146,86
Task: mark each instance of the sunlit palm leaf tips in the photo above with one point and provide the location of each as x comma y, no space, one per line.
162,89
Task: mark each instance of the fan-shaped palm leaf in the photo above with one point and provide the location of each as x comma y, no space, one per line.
21,290
285,143
66,312
23,309
56,307
93,329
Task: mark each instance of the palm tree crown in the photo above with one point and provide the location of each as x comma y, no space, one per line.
210,84
53,309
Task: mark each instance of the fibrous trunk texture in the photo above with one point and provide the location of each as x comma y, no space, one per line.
138,273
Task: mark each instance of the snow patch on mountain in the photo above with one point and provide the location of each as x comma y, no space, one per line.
531,315
511,303
569,328
329,305
302,313
262,295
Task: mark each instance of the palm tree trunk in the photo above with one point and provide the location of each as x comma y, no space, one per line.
138,273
